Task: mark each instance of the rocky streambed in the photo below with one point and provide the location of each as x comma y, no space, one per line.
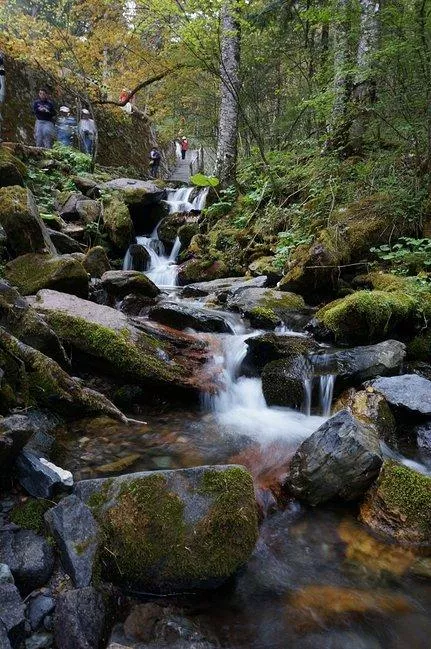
212,465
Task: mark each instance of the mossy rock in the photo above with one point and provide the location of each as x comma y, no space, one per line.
21,222
186,233
419,348
265,307
283,382
369,316
265,266
399,506
120,283
30,513
270,347
12,170
96,262
118,223
170,530
369,407
201,270
169,226
33,272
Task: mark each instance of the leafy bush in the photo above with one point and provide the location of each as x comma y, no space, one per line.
407,256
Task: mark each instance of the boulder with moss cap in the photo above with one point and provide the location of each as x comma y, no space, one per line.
34,271
118,222
19,217
169,530
12,170
265,307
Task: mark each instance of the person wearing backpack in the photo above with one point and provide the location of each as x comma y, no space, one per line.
155,158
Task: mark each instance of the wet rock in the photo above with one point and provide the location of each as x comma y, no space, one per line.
33,272
139,257
408,392
283,382
96,261
20,219
12,615
12,170
201,270
272,347
41,478
118,223
206,516
183,316
119,466
39,641
88,210
38,608
423,436
369,407
21,320
6,577
169,226
186,232
220,287
29,557
76,534
80,619
340,460
15,431
135,305
134,191
119,283
63,243
398,506
265,307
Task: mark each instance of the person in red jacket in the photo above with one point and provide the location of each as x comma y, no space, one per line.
184,144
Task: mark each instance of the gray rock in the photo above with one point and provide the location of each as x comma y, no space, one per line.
80,619
182,316
409,392
340,460
266,306
423,436
96,261
283,382
119,283
221,287
12,615
38,608
138,257
15,431
270,346
6,577
67,208
4,640
63,243
134,191
39,641
88,210
29,557
76,533
41,478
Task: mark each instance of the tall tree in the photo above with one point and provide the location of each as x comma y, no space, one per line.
229,88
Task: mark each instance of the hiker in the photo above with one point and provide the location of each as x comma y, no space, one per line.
184,145
87,132
66,126
124,96
155,158
44,128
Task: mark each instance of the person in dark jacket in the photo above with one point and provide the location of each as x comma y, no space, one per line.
155,158
44,129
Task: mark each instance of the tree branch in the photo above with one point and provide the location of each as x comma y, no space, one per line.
141,85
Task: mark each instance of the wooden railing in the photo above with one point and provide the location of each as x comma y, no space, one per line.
197,161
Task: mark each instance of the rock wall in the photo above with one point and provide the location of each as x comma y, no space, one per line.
124,140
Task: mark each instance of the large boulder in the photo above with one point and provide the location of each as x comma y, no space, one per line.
409,392
367,316
120,283
32,272
270,346
398,506
76,534
134,191
64,244
283,382
201,270
22,321
29,557
169,226
206,517
88,210
340,460
96,261
118,223
20,219
265,307
221,287
112,343
12,616
12,170
183,316
369,407
81,619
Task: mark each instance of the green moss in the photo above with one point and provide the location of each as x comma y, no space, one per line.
147,536
285,301
30,514
419,348
368,315
118,222
139,358
408,493
263,316
33,272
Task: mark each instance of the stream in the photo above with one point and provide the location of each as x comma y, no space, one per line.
368,595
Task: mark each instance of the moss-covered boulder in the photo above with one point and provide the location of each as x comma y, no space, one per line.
201,270
96,261
314,270
119,283
265,266
270,347
168,530
186,233
107,341
265,307
283,382
20,219
369,407
32,272
398,506
169,226
12,170
368,316
134,191
118,223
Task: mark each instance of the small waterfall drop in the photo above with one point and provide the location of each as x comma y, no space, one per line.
163,269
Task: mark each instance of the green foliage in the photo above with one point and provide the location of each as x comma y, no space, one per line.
224,204
407,256
30,514
200,180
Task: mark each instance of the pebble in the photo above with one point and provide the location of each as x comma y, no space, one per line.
5,574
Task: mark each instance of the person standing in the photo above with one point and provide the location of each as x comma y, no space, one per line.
155,158
184,145
44,128
66,126
87,132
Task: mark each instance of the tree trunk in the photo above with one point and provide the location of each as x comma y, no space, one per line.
229,88
2,90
